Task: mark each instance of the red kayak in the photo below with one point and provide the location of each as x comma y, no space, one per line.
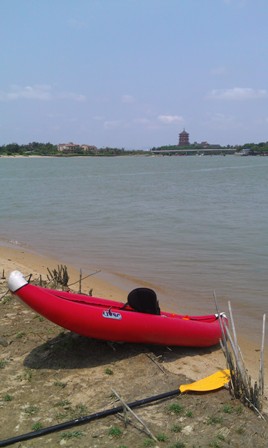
139,320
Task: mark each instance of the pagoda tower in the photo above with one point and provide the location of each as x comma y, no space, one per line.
184,138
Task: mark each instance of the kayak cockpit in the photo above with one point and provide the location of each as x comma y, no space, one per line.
143,300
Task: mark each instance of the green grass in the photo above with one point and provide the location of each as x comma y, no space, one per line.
239,410
161,437
7,397
115,431
148,443
28,374
69,411
37,426
80,410
178,445
60,384
61,416
62,403
3,363
175,408
176,428
20,335
214,420
228,409
108,371
6,299
31,410
214,444
71,435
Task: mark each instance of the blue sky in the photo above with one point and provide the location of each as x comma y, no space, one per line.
133,73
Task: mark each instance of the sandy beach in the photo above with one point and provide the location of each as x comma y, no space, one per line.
177,364
35,264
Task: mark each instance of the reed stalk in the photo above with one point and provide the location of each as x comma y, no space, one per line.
241,386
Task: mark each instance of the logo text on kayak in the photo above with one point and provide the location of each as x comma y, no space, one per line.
111,315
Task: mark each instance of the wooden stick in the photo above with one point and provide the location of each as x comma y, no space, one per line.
80,281
242,382
261,375
239,358
147,430
255,409
89,275
5,294
224,344
156,363
232,322
240,366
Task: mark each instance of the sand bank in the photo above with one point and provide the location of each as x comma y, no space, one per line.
31,263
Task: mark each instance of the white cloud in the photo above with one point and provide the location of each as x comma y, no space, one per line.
218,71
38,92
112,124
146,123
98,117
128,99
238,93
70,96
223,122
170,119
142,120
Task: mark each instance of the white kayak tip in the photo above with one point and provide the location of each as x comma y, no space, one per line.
222,315
16,281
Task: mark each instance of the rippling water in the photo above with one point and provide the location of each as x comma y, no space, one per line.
187,225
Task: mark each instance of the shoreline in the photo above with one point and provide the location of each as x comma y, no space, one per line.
197,366
33,263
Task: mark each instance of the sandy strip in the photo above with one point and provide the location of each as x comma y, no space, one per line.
31,263
200,365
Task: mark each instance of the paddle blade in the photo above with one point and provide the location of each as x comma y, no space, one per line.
212,382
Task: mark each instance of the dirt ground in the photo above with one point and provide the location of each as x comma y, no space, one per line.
49,376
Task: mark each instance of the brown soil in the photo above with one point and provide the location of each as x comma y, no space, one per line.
49,376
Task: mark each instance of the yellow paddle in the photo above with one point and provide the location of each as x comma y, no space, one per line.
212,382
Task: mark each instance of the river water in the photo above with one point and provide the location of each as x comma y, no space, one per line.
187,226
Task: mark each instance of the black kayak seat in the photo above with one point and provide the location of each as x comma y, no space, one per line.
143,300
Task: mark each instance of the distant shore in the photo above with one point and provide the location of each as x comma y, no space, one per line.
28,157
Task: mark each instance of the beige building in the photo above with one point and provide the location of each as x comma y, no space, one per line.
72,147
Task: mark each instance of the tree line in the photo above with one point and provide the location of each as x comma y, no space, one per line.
33,148
254,148
48,149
